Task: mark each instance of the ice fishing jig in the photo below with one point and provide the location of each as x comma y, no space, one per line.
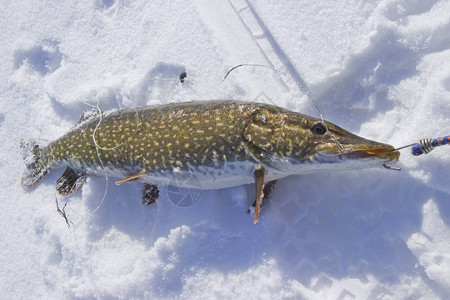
424,146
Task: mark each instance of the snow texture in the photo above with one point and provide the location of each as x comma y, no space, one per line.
380,69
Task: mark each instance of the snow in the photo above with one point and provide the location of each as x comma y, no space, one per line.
380,69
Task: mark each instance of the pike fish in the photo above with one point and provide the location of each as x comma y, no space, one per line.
221,143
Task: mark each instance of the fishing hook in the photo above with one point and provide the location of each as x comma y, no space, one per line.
391,168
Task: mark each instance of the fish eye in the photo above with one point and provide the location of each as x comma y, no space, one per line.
319,128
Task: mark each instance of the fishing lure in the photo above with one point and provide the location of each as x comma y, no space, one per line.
425,146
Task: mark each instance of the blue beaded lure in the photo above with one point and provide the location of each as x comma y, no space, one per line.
423,147
426,145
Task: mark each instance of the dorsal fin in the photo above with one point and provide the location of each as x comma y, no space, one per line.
87,115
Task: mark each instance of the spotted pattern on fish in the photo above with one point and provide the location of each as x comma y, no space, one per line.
221,142
156,138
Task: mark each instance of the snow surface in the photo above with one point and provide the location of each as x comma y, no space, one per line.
380,69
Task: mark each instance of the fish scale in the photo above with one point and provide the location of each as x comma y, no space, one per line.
156,139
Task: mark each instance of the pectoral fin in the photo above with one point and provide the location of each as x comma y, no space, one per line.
258,174
131,178
260,155
268,189
70,181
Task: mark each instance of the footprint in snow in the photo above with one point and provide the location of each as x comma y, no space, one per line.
44,57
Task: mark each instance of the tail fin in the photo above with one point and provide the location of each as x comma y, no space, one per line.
36,168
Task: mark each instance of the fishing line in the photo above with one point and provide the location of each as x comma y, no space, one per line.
97,147
98,155
304,89
98,125
62,211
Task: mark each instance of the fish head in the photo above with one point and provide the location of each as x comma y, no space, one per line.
340,149
300,144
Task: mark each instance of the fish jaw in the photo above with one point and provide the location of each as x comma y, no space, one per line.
355,154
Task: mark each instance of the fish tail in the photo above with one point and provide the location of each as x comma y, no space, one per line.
36,168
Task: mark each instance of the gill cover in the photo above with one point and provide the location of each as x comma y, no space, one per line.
276,139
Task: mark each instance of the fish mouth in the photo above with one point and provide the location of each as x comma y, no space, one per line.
383,152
